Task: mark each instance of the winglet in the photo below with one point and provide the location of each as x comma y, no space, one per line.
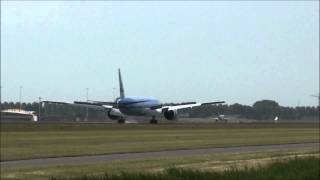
121,85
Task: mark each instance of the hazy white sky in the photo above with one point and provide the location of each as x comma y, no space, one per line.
175,51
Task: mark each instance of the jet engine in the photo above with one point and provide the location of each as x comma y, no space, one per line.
170,114
115,114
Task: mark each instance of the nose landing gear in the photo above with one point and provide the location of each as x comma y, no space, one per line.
153,120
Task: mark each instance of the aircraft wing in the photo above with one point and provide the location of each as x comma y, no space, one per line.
81,104
187,105
93,105
101,102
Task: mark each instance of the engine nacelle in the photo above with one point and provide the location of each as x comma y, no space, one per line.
115,114
170,114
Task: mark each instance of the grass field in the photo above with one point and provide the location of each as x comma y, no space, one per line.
25,141
297,168
208,163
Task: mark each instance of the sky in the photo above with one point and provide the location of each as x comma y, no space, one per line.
240,52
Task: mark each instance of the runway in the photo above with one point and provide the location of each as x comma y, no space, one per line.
77,160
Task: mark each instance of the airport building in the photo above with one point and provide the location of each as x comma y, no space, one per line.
18,115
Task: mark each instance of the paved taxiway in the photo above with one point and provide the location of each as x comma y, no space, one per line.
170,153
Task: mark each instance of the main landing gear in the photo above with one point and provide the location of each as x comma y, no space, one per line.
121,121
153,120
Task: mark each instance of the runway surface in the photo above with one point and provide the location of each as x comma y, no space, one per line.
77,160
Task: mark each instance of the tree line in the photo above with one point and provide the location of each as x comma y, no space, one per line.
260,110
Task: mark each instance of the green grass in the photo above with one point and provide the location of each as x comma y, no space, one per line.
297,169
25,141
211,162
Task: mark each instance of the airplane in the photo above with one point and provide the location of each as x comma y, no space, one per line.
126,106
221,118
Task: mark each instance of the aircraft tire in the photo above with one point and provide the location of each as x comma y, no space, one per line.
121,121
153,121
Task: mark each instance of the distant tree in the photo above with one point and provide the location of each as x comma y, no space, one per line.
35,107
248,112
11,105
265,109
5,105
236,109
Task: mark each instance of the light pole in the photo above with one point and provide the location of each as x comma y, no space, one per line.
1,93
1,96
20,94
87,111
316,96
39,109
